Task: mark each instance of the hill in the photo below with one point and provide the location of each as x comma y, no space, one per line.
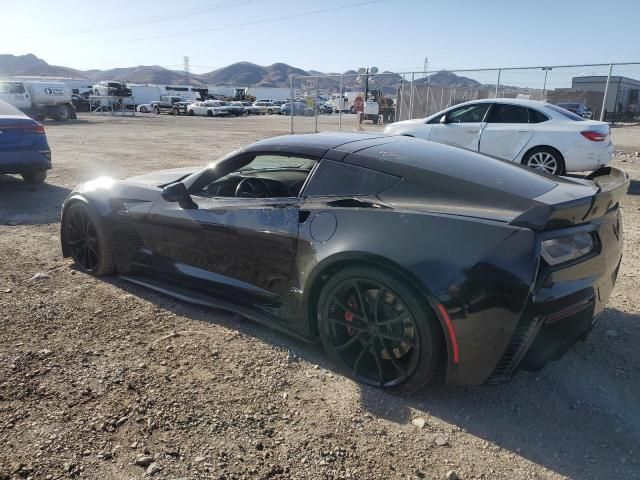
240,74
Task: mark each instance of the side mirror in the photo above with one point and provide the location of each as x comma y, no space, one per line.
177,192
443,119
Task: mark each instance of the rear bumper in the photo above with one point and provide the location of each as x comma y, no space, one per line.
24,161
588,156
565,304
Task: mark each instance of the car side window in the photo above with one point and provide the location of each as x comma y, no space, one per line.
537,117
339,179
468,113
502,113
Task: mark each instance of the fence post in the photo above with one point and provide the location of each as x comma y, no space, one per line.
401,97
413,77
315,106
396,118
291,104
340,105
498,84
426,107
606,91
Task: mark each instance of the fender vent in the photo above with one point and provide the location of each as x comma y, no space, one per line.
520,342
127,229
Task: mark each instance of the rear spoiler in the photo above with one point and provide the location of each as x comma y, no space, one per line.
612,184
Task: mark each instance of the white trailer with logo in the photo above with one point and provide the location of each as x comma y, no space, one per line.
39,99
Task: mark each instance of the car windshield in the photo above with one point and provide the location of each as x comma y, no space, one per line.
565,113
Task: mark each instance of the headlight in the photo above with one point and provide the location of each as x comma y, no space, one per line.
563,249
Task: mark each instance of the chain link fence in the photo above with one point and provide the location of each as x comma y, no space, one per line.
608,92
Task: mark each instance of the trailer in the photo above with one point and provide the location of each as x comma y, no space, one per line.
143,94
39,99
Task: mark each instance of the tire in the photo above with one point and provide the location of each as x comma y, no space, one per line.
270,112
190,113
144,110
157,110
35,178
86,240
348,339
175,112
545,159
209,113
352,110
62,113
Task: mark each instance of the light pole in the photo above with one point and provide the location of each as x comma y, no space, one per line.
367,72
426,80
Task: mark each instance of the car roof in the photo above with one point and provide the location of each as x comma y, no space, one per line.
513,101
407,157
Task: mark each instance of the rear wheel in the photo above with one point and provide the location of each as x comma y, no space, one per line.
34,178
191,113
86,241
62,113
176,112
544,159
377,329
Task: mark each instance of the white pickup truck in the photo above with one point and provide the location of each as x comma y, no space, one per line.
39,99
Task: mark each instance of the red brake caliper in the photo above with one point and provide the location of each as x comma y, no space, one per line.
348,315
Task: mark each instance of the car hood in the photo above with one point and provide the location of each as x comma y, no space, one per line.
162,177
405,123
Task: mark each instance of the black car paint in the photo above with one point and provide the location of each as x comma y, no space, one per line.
439,220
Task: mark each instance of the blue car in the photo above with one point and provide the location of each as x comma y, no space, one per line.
24,148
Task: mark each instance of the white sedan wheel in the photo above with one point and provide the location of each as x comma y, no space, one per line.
543,161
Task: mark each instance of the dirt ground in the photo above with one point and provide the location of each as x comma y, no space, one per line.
101,379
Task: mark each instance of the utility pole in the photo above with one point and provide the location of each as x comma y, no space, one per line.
187,75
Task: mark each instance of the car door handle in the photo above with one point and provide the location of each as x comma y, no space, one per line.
472,130
524,131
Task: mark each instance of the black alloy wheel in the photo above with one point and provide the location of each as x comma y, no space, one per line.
376,329
85,240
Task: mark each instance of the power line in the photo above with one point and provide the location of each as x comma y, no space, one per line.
236,25
155,19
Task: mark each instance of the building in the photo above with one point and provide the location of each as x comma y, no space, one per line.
622,96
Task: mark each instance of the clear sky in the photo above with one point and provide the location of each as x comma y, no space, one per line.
342,34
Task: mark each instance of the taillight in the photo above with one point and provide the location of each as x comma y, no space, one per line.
595,136
39,129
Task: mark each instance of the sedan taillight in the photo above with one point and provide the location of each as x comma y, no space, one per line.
595,136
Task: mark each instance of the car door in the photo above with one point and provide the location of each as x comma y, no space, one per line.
242,248
461,126
507,131
15,94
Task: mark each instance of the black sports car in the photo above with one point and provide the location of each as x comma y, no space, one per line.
404,258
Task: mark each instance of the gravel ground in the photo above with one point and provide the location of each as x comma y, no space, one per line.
101,379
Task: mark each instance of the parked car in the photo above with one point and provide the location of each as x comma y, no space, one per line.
299,108
170,104
405,258
209,108
234,110
579,109
267,107
250,109
325,108
111,89
533,133
239,104
144,108
24,149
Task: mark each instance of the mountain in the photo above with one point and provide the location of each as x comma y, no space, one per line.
445,78
240,74
250,74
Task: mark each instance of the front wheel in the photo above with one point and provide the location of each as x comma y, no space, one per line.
157,110
35,178
176,112
544,159
191,113
379,330
86,241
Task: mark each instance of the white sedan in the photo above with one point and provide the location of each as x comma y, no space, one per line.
537,134
210,108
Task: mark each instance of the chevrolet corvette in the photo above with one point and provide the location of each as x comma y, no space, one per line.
407,260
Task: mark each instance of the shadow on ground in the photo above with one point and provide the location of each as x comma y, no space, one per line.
577,417
23,204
